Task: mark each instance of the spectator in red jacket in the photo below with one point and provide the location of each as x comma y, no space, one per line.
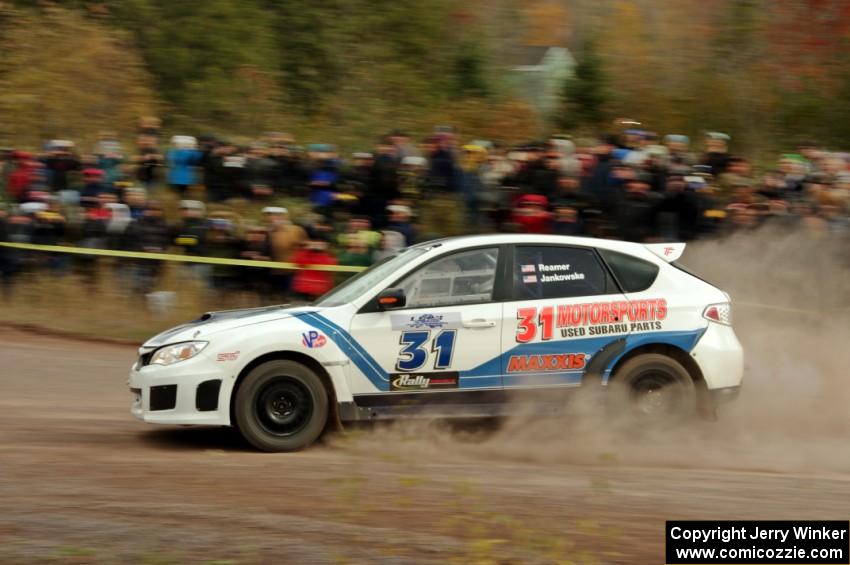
309,284
531,214
22,175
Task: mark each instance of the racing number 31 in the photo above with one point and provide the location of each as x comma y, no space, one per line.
529,320
414,354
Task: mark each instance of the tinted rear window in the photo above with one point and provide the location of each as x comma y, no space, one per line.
548,271
633,274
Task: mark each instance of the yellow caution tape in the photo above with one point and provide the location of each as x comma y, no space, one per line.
180,258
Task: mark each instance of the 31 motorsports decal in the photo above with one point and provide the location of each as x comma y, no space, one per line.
593,318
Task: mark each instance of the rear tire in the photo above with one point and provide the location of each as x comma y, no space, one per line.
652,388
281,406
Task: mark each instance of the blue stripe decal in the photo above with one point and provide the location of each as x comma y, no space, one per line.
490,373
684,340
349,346
543,379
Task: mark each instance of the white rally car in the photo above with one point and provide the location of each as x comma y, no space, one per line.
460,327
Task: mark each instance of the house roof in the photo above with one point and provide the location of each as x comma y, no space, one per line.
529,55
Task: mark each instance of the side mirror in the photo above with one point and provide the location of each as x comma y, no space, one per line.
390,298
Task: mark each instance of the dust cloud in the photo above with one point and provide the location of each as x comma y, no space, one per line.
791,303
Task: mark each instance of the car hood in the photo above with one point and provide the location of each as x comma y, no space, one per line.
214,322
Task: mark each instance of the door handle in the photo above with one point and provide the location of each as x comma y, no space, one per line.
479,323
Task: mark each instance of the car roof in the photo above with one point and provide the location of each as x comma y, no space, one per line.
463,241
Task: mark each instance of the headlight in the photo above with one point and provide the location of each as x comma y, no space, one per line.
178,352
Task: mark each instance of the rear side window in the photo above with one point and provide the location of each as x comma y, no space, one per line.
541,272
633,274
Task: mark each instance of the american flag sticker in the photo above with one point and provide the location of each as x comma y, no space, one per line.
529,279
528,268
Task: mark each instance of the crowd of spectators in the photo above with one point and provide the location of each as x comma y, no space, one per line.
354,210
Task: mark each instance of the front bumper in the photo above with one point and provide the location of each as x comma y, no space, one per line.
186,393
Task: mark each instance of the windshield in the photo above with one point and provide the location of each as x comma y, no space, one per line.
370,278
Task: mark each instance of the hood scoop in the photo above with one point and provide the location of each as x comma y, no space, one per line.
219,315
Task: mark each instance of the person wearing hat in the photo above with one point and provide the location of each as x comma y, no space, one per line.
136,198
285,238
678,150
190,234
109,155
383,185
356,252
412,177
355,178
403,146
181,160
398,220
60,161
442,173
147,233
21,176
716,153
635,212
261,172
677,214
92,186
148,160
572,207
309,284
256,246
738,173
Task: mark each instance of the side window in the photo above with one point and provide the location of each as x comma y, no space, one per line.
633,274
460,278
558,272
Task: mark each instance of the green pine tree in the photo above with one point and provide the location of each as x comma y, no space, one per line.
585,95
470,79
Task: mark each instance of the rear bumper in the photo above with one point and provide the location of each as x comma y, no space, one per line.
720,358
724,395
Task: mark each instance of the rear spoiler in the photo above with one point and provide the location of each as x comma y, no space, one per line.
668,251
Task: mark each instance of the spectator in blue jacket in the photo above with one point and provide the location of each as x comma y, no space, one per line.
182,159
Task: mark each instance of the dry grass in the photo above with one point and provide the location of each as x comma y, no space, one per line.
108,308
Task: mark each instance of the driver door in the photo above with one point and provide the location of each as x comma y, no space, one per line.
446,338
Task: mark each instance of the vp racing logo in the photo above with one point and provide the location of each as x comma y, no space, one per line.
313,339
423,381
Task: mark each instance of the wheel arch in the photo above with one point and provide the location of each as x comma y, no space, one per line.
334,422
705,406
676,353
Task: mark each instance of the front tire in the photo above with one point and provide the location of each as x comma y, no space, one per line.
281,406
652,388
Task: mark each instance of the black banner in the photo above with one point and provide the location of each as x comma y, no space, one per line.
768,542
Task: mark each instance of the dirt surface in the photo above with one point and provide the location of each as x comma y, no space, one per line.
81,481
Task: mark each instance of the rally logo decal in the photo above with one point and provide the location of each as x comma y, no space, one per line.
423,381
590,319
313,339
544,363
